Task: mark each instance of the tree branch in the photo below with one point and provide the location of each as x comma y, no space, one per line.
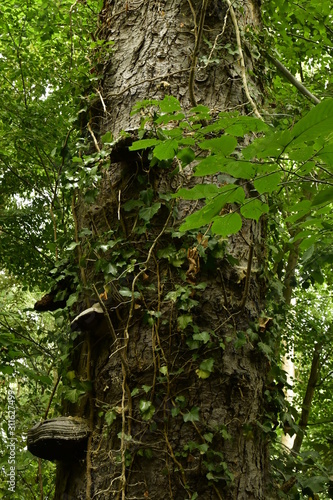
286,73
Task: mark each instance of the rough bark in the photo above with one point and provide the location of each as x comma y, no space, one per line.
203,437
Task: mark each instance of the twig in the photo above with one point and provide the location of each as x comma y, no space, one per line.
102,101
94,138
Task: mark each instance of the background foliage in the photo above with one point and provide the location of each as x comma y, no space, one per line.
50,58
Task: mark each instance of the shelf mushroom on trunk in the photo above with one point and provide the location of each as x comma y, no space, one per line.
62,438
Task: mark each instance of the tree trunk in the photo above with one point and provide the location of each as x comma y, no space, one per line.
177,382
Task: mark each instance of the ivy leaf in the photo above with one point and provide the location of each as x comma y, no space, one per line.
72,246
202,373
184,320
148,213
202,337
207,364
192,415
147,409
110,417
107,138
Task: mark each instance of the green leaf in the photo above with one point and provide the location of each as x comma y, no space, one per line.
147,409
254,209
166,150
266,349
317,123
204,216
192,415
246,124
324,196
197,192
107,138
225,225
110,416
186,155
72,246
202,337
210,165
148,213
169,104
225,144
184,320
207,364
202,373
267,183
143,144
239,169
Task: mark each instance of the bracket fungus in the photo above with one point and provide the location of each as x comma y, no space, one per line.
62,438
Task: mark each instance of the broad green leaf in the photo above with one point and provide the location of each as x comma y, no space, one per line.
197,192
308,253
143,144
204,216
270,146
210,165
254,209
324,196
239,169
267,183
301,154
307,242
107,138
317,123
166,150
299,210
326,154
225,225
246,124
186,155
225,144
169,104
